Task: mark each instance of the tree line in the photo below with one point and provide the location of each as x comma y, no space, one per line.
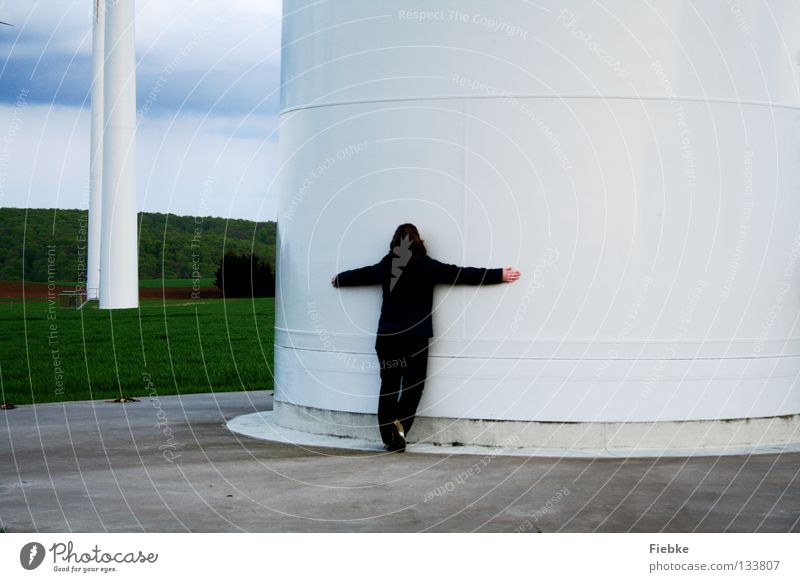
170,247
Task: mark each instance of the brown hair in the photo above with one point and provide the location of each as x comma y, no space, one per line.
408,230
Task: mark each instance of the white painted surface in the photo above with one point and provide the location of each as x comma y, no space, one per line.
652,204
96,155
119,270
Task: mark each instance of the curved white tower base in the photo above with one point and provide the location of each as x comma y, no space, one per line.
637,162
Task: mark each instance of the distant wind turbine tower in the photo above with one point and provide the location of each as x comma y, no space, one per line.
96,154
119,276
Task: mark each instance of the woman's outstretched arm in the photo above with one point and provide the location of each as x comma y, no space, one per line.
369,275
455,275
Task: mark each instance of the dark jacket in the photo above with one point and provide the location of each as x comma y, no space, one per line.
408,296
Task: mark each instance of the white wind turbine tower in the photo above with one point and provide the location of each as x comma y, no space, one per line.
96,154
119,269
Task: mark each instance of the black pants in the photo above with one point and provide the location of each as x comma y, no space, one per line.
403,362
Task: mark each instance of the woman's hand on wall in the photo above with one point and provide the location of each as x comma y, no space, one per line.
334,282
510,275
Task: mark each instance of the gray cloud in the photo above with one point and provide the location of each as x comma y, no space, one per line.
216,92
58,78
197,56
207,85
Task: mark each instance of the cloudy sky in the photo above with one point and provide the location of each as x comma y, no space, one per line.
207,83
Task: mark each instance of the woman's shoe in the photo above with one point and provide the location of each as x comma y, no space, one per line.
397,442
398,438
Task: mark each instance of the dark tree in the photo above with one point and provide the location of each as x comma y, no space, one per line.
244,275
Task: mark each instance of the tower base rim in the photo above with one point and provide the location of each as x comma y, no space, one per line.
321,427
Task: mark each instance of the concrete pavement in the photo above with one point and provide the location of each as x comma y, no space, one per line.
170,464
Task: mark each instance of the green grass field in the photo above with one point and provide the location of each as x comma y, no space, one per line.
173,283
172,347
159,283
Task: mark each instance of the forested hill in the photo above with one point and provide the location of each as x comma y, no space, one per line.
169,246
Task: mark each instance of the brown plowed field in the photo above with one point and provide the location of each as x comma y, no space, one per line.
17,290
